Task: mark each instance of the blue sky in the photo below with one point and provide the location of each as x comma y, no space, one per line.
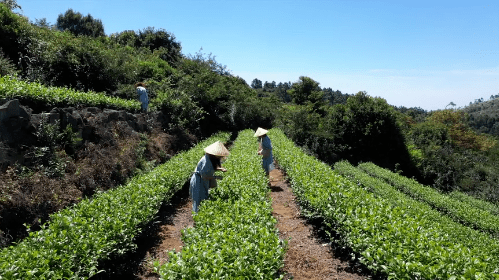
415,54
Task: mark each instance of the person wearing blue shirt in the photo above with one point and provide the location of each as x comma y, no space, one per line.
142,95
265,150
203,177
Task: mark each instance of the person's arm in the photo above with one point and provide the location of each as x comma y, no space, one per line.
260,149
221,169
212,177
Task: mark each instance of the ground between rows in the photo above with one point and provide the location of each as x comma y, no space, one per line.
310,253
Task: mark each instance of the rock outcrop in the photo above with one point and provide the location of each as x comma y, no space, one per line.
19,126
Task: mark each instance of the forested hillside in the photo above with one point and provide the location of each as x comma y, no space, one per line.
484,115
192,97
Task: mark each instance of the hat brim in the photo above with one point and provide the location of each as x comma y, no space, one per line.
260,132
217,149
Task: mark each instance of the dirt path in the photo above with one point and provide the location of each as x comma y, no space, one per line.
156,240
170,234
310,255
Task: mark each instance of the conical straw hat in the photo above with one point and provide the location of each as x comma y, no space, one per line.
217,149
260,131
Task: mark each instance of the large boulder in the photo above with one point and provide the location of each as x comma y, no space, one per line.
14,119
16,132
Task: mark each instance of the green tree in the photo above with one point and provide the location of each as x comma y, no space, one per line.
269,86
126,38
7,67
256,84
42,23
367,127
450,104
335,96
159,41
281,92
11,4
78,24
16,35
305,90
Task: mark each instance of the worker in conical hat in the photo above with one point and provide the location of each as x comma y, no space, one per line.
265,149
203,177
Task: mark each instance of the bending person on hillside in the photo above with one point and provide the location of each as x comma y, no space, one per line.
265,150
142,95
203,177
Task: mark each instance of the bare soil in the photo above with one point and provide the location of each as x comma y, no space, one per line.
310,255
170,239
156,240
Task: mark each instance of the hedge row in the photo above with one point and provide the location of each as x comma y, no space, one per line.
36,92
234,235
459,210
475,202
386,237
481,245
76,239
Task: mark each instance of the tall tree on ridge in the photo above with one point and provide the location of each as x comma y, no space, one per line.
306,89
256,84
78,24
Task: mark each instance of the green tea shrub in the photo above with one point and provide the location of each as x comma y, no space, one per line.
235,235
76,239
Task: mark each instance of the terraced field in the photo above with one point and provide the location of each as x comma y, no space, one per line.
395,227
